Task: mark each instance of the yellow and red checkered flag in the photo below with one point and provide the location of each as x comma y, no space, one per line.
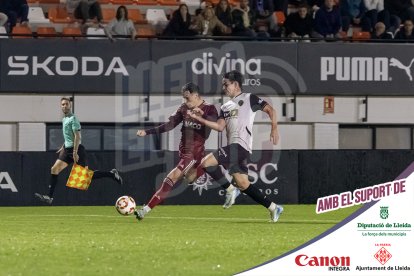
79,177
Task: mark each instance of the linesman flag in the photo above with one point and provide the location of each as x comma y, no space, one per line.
79,177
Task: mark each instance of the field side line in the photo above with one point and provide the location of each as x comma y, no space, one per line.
184,218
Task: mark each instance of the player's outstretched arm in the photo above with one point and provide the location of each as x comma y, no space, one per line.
141,133
274,133
220,125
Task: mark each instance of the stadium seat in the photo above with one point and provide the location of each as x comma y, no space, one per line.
46,31
168,2
108,14
122,2
155,16
72,31
146,2
3,32
361,36
136,16
49,1
59,15
22,31
281,18
95,31
145,31
36,15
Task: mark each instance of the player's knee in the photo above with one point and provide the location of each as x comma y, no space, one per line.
54,170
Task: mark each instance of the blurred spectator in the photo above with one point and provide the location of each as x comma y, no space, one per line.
243,20
121,25
207,22
406,32
14,10
223,13
376,11
266,20
402,8
327,21
353,13
380,32
180,22
282,5
3,19
299,24
85,9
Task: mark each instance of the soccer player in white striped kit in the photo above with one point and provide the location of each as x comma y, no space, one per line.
237,117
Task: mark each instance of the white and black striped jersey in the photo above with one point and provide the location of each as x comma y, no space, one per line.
239,114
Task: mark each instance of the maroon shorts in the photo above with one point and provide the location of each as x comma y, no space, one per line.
189,160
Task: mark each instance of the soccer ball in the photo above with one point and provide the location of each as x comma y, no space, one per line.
125,205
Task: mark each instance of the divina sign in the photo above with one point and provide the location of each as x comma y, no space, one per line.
208,64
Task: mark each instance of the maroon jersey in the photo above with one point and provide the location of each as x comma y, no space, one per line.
193,133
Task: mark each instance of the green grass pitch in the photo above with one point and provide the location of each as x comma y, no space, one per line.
171,240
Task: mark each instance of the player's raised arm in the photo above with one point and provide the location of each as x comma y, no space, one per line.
175,119
274,133
219,125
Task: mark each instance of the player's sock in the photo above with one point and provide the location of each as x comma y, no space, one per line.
101,174
53,182
217,174
162,193
257,196
272,207
227,186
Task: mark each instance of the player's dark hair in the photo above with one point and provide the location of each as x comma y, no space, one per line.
190,87
65,99
234,76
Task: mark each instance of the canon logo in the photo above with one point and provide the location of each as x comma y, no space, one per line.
304,260
64,66
207,65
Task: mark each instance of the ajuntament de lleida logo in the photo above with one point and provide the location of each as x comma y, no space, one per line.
384,212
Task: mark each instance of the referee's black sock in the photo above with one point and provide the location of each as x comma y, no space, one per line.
53,182
216,173
101,174
257,196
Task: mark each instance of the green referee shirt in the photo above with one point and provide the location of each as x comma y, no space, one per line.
70,124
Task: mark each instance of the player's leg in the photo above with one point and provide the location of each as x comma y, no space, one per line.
210,165
114,174
54,172
166,186
242,181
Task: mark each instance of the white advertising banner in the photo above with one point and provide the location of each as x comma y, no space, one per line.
377,239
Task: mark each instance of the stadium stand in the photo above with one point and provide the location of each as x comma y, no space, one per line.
59,15
108,14
91,33
75,32
22,31
44,32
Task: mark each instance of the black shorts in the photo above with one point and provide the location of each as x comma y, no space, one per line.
66,155
233,158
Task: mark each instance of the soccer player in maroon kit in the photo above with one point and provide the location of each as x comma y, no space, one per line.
191,148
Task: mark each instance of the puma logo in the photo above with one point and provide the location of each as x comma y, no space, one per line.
407,69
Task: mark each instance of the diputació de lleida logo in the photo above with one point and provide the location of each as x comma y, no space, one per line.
384,212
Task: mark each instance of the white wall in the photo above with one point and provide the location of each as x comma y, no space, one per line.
311,130
8,137
32,136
